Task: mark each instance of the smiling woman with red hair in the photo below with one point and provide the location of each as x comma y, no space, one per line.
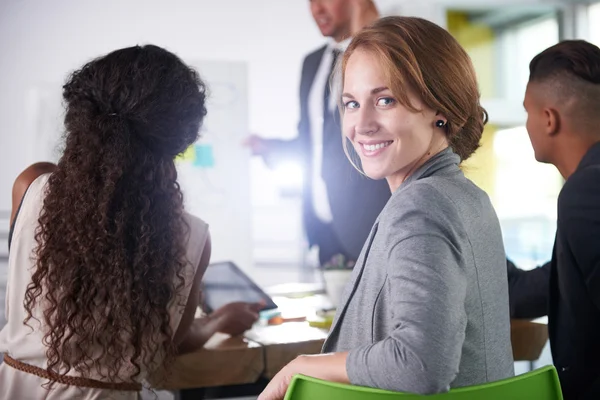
427,307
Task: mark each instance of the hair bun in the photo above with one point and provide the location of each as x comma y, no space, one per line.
144,92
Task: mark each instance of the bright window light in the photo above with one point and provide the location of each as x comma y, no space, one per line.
289,176
525,196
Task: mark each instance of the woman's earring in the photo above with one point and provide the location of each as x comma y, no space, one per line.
440,123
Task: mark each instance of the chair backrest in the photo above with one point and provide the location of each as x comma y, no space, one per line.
541,384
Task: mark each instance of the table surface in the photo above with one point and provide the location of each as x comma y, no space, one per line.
264,350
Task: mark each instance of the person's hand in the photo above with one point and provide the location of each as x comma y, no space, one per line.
328,367
257,145
362,13
236,318
277,387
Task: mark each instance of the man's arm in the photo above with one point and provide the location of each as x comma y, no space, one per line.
579,227
528,291
279,151
275,152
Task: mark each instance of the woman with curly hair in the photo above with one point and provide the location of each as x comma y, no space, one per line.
105,265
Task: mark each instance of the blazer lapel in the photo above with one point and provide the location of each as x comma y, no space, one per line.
351,288
311,68
445,160
309,71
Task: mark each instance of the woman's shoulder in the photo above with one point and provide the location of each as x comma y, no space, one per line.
198,228
423,195
30,180
440,193
422,207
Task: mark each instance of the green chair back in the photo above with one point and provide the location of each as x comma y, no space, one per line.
541,384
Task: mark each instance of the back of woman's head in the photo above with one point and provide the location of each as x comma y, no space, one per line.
419,56
111,236
144,96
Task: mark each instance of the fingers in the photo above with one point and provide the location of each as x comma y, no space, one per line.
258,306
276,389
270,392
249,141
251,318
257,145
252,142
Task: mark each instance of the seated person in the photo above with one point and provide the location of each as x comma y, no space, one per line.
233,319
562,100
427,308
105,265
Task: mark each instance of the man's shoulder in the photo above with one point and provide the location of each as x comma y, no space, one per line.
587,175
316,54
583,181
580,196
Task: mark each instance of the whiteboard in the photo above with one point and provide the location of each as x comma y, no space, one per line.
214,173
215,178
46,121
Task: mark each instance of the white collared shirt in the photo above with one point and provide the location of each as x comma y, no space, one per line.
315,112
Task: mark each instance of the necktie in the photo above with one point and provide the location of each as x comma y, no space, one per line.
335,54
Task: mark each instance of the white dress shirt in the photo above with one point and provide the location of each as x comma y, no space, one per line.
315,112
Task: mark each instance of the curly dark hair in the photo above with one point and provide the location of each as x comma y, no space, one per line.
111,238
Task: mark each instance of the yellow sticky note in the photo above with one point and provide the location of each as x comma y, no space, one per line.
189,155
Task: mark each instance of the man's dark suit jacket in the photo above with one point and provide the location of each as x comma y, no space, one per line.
528,291
574,307
573,277
355,200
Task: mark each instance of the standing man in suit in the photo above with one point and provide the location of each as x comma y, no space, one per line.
562,102
339,204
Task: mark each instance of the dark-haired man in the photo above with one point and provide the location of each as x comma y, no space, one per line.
562,101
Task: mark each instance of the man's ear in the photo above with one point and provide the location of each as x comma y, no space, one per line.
553,121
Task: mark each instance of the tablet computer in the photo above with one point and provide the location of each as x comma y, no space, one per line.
224,282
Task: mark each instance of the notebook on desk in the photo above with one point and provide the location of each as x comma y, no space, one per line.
224,282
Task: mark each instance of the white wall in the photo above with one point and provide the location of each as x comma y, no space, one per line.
42,41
